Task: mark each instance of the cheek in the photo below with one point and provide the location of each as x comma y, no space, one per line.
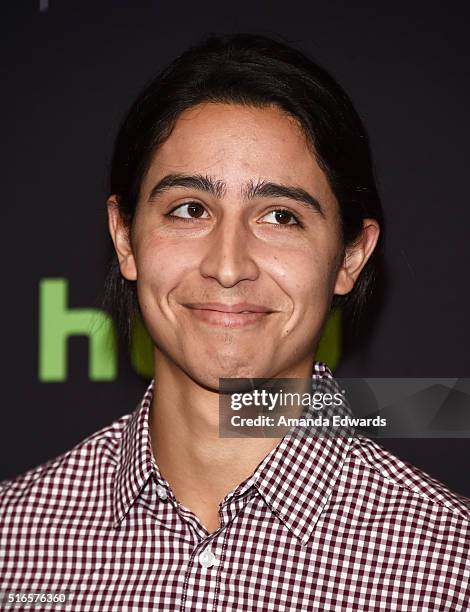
306,275
161,265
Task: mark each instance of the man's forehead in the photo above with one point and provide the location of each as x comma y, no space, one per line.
217,131
238,164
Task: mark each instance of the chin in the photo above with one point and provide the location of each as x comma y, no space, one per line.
210,377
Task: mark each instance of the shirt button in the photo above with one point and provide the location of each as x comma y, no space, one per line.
161,492
207,558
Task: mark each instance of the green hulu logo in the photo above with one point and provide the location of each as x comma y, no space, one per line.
58,322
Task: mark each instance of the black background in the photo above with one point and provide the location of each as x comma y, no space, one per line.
71,71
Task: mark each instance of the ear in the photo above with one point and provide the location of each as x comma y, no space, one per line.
120,236
356,256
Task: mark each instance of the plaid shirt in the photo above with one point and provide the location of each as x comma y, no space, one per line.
321,524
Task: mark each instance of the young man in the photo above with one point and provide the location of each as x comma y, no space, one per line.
242,207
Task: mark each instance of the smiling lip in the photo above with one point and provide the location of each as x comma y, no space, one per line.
226,315
232,308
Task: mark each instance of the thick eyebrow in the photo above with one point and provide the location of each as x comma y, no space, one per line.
218,188
264,189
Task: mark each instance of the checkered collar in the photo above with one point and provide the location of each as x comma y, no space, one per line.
295,478
136,463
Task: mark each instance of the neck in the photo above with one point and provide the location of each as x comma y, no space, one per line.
200,466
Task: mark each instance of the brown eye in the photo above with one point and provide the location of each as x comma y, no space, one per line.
194,210
282,216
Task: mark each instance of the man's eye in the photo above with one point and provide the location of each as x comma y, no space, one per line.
283,216
194,210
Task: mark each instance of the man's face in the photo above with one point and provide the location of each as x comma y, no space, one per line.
192,247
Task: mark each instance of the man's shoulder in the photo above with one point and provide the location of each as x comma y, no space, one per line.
418,491
96,454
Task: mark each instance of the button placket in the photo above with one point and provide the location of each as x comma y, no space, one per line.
203,575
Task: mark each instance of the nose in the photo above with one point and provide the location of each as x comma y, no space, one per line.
228,258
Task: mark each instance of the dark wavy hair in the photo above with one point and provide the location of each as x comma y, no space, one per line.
259,71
